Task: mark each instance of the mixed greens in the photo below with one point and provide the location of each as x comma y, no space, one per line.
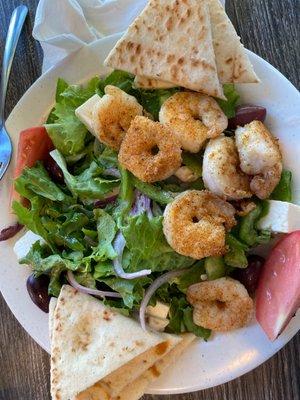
80,210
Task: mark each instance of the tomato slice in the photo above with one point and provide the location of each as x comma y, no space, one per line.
278,293
34,145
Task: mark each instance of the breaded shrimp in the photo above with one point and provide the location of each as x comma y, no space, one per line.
260,156
195,224
113,114
220,305
194,118
150,150
220,170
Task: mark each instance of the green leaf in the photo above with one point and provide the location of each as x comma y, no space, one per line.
64,128
31,217
214,267
176,323
228,106
121,79
89,185
55,283
107,229
152,100
103,269
283,190
194,162
154,192
248,232
42,261
192,327
67,133
37,180
236,256
193,275
132,291
147,246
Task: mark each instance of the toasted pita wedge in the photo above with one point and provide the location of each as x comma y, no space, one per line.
233,64
170,40
90,343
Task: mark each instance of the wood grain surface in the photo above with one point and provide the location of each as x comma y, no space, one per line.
271,29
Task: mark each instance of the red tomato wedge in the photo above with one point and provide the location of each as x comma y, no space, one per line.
278,292
34,145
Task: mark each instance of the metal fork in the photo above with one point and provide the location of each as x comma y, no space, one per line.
13,34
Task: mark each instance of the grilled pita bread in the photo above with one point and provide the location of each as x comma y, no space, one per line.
136,390
233,64
96,350
170,40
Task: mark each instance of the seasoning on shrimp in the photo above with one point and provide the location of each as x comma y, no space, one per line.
113,114
194,118
260,156
195,224
150,150
221,172
220,305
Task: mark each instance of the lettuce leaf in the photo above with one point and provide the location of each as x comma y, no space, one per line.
89,185
64,128
107,229
36,180
181,319
232,97
283,190
148,248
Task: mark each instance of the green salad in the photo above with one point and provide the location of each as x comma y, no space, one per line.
101,224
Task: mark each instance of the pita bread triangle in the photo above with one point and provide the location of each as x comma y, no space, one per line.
136,390
233,64
91,342
170,40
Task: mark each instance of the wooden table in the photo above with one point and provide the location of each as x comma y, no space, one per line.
271,29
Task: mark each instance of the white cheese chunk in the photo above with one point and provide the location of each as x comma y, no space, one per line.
160,310
157,324
85,113
23,245
282,217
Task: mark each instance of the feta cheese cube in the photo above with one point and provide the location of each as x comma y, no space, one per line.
283,217
85,113
23,245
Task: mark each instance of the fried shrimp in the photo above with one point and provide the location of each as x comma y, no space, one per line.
221,172
150,150
260,156
195,224
194,118
220,305
113,114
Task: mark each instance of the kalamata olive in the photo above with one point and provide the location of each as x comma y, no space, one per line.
250,275
103,203
245,114
10,231
54,170
38,291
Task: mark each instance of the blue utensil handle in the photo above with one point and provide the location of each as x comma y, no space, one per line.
13,34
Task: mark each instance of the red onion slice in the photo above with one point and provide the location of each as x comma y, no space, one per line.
119,245
94,292
152,289
9,232
112,172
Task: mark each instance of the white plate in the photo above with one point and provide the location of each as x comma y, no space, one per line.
204,365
